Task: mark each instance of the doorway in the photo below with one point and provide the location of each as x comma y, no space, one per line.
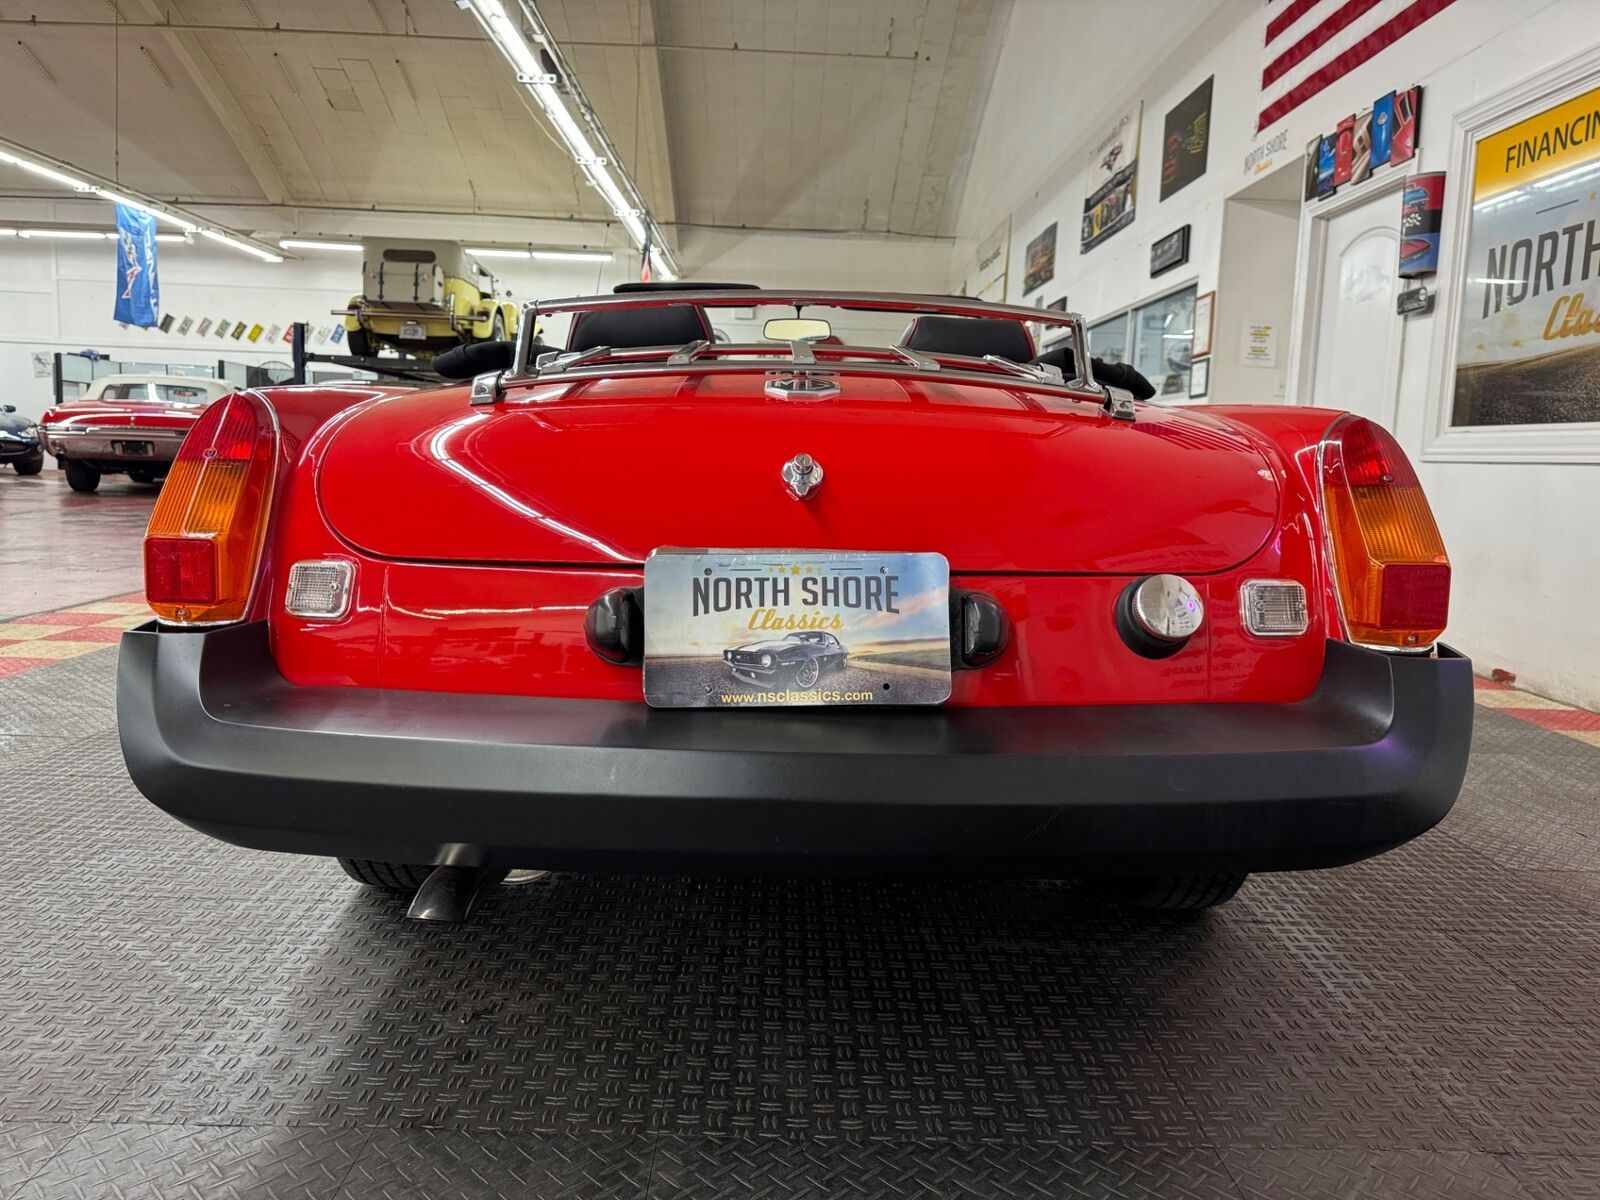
1255,287
1351,350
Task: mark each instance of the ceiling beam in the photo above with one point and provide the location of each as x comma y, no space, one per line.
652,106
186,48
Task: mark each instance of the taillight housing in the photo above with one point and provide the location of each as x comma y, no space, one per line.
1389,566
202,549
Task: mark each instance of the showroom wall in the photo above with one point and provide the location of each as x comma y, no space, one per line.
57,295
1520,533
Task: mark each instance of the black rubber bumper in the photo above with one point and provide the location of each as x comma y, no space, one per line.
216,737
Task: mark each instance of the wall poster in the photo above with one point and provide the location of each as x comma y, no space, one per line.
1185,141
1039,264
1110,184
1528,345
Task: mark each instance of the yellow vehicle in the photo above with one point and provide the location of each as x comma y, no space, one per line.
424,297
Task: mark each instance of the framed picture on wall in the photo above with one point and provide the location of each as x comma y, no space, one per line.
1202,325
1199,378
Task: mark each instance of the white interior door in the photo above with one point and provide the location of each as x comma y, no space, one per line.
1355,362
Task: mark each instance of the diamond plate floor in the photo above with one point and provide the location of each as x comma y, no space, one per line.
186,1019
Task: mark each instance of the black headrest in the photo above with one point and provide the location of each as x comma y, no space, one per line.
972,336
672,325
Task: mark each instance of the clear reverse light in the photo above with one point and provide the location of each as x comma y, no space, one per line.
320,589
1273,607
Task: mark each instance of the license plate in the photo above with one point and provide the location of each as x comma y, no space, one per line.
764,628
135,449
412,332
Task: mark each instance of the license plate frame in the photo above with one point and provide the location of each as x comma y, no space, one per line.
134,448
753,628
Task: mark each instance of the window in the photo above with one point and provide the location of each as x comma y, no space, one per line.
407,255
177,393
1108,340
126,391
1156,338
1163,336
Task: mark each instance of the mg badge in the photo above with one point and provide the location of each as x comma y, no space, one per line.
802,475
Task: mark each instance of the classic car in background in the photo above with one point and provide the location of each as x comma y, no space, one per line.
1183,644
424,297
798,659
126,424
19,442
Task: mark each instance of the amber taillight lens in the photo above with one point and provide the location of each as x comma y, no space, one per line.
203,545
1389,564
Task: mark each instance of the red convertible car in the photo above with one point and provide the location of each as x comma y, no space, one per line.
1151,648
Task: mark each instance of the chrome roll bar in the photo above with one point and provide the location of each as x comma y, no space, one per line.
805,358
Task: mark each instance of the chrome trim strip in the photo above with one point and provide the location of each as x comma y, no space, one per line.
687,352
923,362
559,363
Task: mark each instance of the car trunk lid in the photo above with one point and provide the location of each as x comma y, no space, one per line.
998,478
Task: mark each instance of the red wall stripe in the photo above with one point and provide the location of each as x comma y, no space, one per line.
1291,14
1384,35
1296,54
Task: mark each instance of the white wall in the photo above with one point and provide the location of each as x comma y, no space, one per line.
58,295
1521,535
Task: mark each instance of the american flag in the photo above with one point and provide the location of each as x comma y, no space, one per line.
1312,43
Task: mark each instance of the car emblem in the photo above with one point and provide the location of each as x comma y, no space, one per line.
802,474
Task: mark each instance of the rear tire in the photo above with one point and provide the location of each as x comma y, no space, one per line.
81,477
386,876
360,343
29,466
1172,893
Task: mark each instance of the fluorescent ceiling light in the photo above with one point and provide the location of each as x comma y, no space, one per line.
45,172
119,198
64,175
226,240
541,255
579,129
80,235
300,244
572,255
491,252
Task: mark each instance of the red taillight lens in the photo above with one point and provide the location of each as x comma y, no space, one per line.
204,541
1389,563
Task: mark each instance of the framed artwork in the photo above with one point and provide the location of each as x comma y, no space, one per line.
1185,140
1040,260
1199,377
1202,325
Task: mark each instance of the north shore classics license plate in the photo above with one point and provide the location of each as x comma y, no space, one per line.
756,628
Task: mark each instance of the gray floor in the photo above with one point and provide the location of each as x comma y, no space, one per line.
182,1018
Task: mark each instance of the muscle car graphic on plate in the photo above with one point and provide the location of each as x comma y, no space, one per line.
798,658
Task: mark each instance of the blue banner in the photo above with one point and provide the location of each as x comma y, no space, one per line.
138,295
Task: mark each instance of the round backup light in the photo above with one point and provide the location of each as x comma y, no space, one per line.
1158,614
